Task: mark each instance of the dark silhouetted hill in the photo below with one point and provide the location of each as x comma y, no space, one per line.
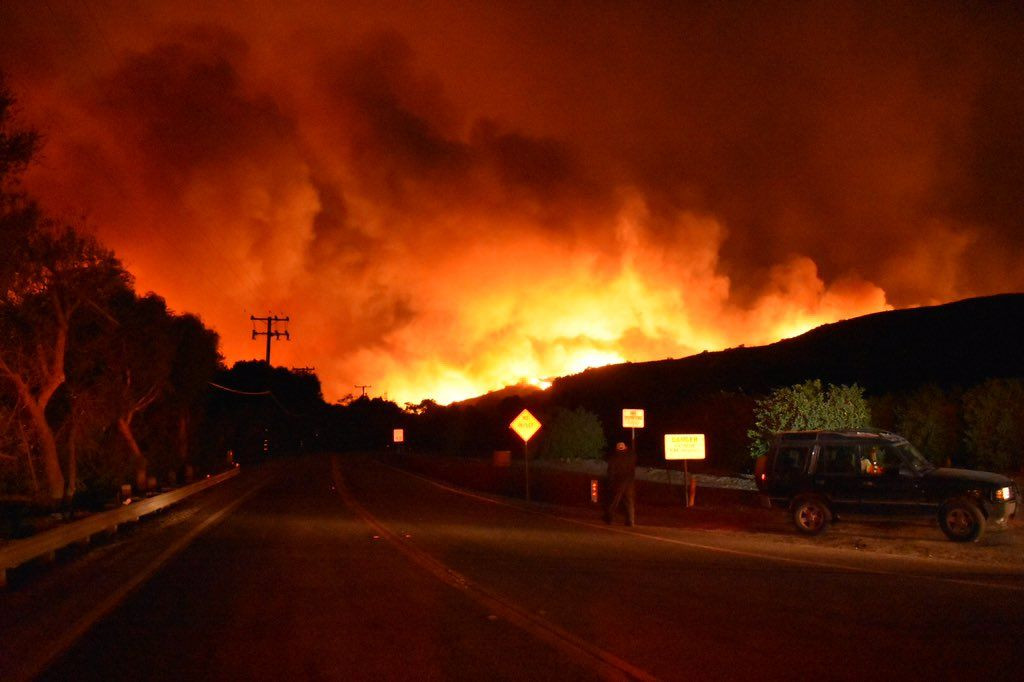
515,395
956,344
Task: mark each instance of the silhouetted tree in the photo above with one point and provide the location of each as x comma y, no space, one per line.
994,424
929,418
51,273
195,363
267,411
18,146
139,361
369,423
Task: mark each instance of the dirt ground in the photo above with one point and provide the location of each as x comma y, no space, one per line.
720,506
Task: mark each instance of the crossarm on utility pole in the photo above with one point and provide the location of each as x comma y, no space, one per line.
271,333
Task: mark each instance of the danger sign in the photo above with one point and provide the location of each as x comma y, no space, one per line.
684,446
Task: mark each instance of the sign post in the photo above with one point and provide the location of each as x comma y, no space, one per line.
525,425
633,419
685,446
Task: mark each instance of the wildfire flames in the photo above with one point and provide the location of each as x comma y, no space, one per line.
531,310
443,209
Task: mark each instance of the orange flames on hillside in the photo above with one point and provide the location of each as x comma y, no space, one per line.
530,310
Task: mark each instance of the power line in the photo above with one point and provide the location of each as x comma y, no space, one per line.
258,394
236,391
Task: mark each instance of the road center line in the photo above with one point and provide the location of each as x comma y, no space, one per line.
607,665
697,545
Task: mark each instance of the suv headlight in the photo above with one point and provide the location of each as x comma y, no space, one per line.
1004,494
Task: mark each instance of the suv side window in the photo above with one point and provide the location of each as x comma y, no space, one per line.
839,459
791,460
878,460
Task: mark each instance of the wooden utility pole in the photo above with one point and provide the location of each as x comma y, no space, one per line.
271,333
363,388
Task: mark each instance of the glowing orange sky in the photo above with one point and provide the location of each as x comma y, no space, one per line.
449,198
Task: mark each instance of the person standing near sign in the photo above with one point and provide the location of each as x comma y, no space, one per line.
621,483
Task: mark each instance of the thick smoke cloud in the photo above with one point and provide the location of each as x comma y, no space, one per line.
446,200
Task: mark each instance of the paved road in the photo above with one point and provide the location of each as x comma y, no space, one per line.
349,569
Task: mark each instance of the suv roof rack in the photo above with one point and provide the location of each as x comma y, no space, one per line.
864,432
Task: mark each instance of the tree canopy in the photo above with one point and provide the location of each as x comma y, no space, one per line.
807,406
994,424
81,355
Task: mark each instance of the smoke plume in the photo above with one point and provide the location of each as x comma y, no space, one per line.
448,200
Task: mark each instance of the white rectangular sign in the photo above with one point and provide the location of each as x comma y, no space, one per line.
632,419
399,435
684,446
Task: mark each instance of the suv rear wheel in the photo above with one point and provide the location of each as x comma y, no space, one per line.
961,520
811,515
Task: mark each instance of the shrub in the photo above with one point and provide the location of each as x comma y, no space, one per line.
805,407
572,434
994,424
929,419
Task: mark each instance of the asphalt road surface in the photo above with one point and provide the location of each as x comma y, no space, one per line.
345,568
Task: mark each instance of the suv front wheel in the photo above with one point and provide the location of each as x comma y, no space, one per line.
961,520
811,515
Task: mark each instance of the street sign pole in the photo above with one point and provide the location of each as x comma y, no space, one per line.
686,482
525,425
526,465
685,446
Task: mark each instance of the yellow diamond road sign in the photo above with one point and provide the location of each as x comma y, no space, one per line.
525,425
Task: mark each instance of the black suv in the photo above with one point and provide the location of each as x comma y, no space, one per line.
819,474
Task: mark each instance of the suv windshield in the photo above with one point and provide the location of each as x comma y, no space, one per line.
913,459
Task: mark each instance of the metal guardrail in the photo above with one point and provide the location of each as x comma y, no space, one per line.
45,544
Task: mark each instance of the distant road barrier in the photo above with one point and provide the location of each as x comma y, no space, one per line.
45,544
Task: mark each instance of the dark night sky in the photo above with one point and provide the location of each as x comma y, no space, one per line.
448,197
